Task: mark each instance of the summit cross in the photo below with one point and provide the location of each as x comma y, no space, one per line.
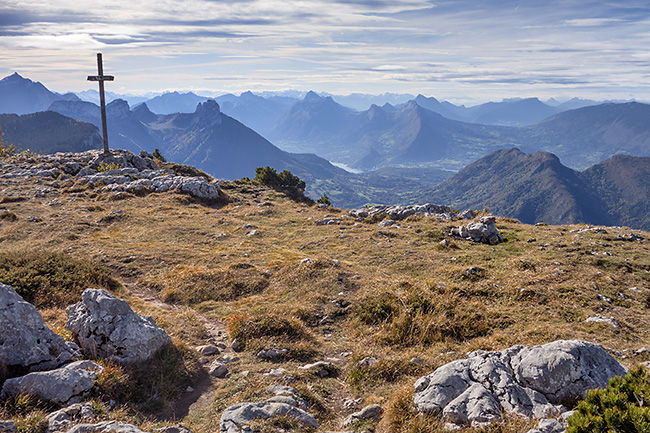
101,78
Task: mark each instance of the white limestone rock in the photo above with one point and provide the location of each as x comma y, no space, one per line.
107,326
25,340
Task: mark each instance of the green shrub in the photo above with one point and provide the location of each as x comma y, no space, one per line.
284,181
623,406
324,199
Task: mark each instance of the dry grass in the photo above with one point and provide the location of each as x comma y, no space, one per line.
393,295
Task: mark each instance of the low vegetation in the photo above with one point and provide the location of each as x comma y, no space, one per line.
263,269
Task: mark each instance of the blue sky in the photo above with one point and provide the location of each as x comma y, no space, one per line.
463,51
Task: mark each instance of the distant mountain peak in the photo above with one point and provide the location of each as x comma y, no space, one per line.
312,96
15,77
210,106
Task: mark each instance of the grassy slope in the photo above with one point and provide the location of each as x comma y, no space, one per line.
395,295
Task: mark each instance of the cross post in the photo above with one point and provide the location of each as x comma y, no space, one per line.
101,78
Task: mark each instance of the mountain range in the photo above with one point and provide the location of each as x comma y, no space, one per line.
412,135
20,95
539,188
573,170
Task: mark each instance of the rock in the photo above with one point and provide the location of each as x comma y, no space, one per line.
397,213
107,326
373,411
272,354
387,223
105,427
530,382
548,426
484,231
603,319
64,385
444,243
208,350
468,214
368,361
235,419
321,368
26,340
173,429
219,370
237,345
61,420
8,427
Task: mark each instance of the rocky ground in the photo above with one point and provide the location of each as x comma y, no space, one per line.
140,295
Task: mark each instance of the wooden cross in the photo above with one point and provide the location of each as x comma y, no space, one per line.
101,78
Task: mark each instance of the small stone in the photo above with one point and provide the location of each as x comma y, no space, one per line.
218,370
208,350
368,361
237,345
373,411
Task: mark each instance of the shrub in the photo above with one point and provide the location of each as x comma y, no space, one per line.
48,279
6,149
374,310
623,406
324,199
157,155
104,166
285,182
273,331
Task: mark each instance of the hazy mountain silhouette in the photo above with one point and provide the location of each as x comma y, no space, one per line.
20,95
256,112
175,102
49,132
384,136
588,135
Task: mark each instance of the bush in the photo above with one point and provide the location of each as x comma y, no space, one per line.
157,155
324,200
48,279
6,149
273,331
623,406
284,181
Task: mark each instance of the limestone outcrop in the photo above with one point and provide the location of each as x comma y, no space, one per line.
484,231
235,419
106,326
65,385
531,382
26,341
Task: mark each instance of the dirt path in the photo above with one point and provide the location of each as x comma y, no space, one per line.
202,391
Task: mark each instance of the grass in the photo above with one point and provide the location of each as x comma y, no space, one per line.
393,296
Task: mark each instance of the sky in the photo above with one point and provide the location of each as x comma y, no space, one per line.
465,51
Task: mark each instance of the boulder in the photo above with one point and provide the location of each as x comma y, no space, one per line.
484,231
65,385
107,326
26,341
530,382
235,419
